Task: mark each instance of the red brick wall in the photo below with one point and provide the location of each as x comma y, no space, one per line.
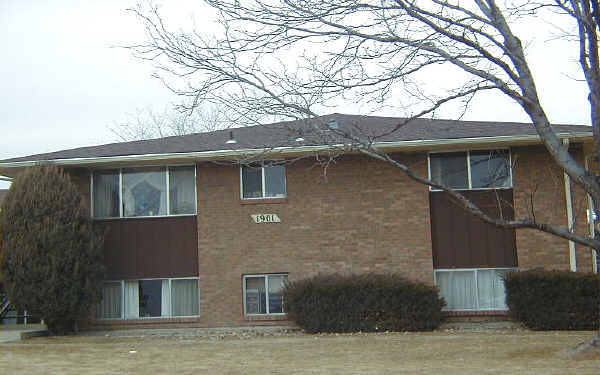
363,216
539,188
358,215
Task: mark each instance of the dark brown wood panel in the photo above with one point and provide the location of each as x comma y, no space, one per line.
148,248
461,240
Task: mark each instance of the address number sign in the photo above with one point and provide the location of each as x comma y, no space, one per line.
265,218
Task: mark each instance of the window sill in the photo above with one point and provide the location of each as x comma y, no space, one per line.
154,320
265,317
264,201
474,189
141,217
475,312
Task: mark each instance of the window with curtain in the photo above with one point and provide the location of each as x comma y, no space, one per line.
106,193
474,289
134,299
182,190
142,192
184,297
263,294
110,307
265,180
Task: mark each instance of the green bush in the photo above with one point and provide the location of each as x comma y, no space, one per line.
367,303
554,300
51,263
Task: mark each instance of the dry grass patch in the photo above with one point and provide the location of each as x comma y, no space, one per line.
489,352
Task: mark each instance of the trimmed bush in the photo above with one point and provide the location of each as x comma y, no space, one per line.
367,303
1,245
554,300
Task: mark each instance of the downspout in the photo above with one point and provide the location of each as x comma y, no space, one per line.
591,221
569,204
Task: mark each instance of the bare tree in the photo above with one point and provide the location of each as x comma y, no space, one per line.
147,123
295,58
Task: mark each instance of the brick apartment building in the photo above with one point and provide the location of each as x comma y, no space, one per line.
204,229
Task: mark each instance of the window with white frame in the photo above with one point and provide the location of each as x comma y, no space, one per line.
480,169
151,298
263,180
263,294
144,192
473,289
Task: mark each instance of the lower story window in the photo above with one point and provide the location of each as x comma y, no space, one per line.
263,294
111,305
472,289
132,299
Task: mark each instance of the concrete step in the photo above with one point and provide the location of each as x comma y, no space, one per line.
17,332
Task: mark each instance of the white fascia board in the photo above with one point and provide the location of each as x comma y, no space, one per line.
221,154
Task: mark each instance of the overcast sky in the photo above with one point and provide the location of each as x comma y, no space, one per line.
63,83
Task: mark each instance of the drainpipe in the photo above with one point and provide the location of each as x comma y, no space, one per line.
569,204
591,221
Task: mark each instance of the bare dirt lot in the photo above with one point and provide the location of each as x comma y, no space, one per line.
443,352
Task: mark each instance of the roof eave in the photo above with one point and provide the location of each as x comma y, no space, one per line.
290,150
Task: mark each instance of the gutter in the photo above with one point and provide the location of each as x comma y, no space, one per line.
220,154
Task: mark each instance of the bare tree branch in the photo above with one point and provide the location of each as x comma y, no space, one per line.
148,124
264,65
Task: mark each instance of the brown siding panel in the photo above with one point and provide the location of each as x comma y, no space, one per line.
460,240
148,248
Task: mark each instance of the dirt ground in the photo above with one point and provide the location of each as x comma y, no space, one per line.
443,352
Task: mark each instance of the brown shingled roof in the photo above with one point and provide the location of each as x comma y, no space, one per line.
284,133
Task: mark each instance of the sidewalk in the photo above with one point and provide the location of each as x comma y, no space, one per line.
18,332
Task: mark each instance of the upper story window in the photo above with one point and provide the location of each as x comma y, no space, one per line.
142,192
263,180
482,169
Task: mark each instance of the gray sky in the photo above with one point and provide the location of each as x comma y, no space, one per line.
62,85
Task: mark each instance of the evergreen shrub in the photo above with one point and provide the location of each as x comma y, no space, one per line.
1,245
366,303
554,300
51,263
